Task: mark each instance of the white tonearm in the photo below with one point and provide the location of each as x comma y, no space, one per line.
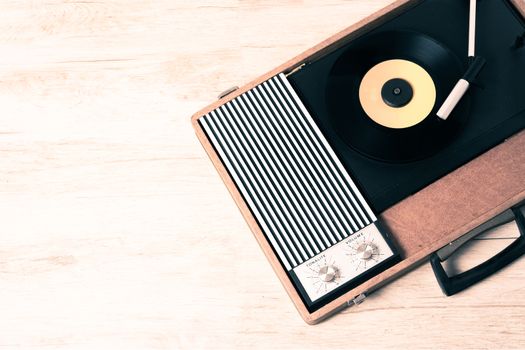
476,63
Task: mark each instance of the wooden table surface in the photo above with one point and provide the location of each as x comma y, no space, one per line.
115,230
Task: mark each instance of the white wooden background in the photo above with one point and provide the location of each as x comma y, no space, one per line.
115,230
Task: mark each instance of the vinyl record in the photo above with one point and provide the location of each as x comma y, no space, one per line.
383,92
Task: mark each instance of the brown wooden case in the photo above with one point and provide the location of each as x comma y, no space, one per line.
421,223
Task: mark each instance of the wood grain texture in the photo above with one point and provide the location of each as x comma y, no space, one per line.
116,231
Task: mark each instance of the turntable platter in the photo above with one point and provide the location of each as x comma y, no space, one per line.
383,93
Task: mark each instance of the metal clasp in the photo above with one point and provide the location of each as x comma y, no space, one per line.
227,92
357,300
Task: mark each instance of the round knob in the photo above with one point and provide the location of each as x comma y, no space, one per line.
328,273
366,250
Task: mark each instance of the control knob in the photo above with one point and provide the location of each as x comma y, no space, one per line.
366,250
328,273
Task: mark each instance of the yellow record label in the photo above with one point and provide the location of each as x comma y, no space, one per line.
417,109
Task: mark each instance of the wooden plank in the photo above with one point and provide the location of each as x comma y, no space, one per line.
116,231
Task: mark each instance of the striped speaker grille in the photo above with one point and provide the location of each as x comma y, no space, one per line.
290,177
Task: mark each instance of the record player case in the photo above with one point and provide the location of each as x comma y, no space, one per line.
467,196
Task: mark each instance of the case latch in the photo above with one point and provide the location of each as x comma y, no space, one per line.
227,92
357,300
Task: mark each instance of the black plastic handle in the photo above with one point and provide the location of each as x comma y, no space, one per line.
455,284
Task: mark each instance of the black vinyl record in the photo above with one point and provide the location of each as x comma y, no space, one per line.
359,131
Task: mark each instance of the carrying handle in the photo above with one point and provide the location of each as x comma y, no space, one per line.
455,284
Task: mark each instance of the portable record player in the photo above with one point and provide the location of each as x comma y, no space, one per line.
364,155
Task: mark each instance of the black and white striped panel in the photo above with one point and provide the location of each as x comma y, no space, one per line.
302,196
